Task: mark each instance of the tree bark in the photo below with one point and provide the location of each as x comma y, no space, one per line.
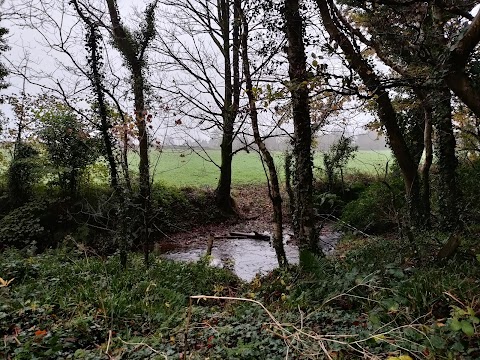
447,160
303,177
274,185
133,52
232,98
454,66
144,167
466,91
427,164
288,183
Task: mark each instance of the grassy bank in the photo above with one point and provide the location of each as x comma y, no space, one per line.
65,305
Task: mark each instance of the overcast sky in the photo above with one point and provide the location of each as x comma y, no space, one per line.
50,66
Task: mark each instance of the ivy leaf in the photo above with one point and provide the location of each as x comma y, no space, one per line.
458,347
455,325
437,342
467,328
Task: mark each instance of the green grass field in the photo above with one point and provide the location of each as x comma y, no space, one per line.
185,168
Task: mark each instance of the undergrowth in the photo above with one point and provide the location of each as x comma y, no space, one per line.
377,299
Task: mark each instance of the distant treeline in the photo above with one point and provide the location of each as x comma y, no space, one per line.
369,140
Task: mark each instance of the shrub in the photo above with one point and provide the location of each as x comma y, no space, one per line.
176,209
27,225
22,174
328,203
468,175
377,208
70,146
337,157
332,200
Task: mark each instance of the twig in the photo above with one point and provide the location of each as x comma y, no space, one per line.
109,341
189,316
146,345
351,227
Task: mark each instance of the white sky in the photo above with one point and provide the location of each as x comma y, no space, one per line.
52,66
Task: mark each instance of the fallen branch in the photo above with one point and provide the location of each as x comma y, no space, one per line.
241,235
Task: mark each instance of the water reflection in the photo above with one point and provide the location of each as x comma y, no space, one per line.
247,257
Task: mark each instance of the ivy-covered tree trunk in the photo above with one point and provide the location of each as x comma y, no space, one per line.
144,167
96,79
427,164
288,183
133,51
3,48
120,223
447,161
303,177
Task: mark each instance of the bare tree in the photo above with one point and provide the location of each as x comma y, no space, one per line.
202,50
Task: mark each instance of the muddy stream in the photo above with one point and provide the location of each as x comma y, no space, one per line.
246,257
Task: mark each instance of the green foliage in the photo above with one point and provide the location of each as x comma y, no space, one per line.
70,146
176,208
464,320
337,157
375,298
377,208
29,225
328,203
332,201
62,303
23,173
468,175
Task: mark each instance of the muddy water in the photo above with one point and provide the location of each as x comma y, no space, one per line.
247,257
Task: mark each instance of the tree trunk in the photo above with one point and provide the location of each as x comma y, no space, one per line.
133,52
447,160
224,200
124,159
231,102
425,170
288,183
274,185
454,66
386,111
144,168
465,89
120,223
303,177
96,80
